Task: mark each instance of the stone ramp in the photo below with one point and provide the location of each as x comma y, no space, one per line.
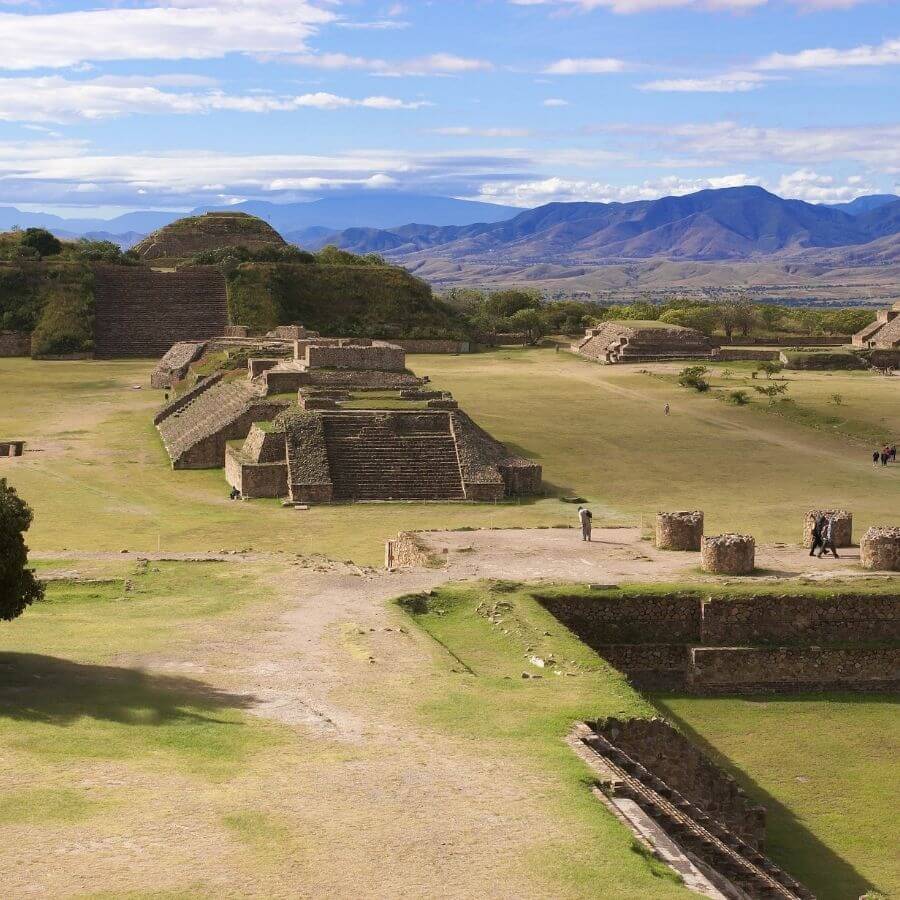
142,312
373,456
195,434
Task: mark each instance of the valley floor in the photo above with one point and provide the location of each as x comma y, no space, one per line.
268,723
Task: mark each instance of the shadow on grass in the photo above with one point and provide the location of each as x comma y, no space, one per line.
59,692
803,855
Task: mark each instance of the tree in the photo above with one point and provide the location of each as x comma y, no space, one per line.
41,241
531,323
18,586
770,315
701,318
770,368
772,391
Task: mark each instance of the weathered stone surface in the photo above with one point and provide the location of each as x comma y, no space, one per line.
378,357
406,551
880,549
619,341
175,363
843,526
309,476
671,757
211,231
15,343
728,554
679,530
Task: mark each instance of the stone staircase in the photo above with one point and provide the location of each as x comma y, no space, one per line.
142,312
405,456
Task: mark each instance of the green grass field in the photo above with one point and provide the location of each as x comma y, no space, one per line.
101,479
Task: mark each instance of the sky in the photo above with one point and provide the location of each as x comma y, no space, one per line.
173,104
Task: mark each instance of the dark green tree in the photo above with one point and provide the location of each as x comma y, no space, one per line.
41,241
18,586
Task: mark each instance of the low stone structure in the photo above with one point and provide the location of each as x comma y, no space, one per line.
728,554
679,530
15,343
175,363
12,448
336,443
727,643
406,551
880,549
842,529
623,340
683,809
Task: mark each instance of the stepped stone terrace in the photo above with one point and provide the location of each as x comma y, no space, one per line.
339,420
624,341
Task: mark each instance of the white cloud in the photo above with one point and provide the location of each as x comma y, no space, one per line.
884,54
184,29
726,83
555,101
805,184
466,131
639,6
434,64
56,99
556,189
585,66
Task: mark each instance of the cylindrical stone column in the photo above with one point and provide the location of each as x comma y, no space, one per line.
679,530
880,549
843,526
728,554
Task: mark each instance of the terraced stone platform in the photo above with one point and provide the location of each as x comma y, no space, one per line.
623,341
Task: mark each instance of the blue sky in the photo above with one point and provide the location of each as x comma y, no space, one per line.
177,103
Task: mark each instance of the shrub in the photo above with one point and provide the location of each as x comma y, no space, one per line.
770,368
772,391
42,242
837,399
66,323
738,398
693,377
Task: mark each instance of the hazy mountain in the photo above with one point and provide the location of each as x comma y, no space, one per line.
727,224
139,222
371,209
864,204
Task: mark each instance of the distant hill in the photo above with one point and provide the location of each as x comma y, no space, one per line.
865,204
728,224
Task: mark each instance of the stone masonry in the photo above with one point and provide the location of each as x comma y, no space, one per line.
728,554
679,530
843,526
880,549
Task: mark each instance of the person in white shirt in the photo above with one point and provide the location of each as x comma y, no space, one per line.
585,517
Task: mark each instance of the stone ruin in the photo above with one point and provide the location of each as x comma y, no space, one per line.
880,549
683,808
843,526
728,554
12,448
340,419
679,530
623,341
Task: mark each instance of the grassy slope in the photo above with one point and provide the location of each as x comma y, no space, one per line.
823,765
820,764
103,481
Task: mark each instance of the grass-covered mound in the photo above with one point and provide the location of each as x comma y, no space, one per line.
352,297
211,231
822,359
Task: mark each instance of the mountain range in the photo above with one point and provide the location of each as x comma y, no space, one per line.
725,225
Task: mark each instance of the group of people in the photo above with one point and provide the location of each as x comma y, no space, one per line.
823,537
885,455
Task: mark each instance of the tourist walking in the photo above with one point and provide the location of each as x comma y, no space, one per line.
666,409
585,517
817,541
884,455
875,456
828,538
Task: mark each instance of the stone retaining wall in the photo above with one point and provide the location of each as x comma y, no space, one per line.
671,757
734,354
15,343
428,346
380,358
731,670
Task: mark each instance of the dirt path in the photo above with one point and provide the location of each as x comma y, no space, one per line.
345,672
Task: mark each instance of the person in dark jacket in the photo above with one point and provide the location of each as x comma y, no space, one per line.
817,542
828,538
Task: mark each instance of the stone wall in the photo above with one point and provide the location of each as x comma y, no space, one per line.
798,619
309,476
634,619
750,669
255,480
679,530
406,551
428,346
728,554
671,757
880,549
179,403
733,354
142,312
15,343
378,357
175,364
